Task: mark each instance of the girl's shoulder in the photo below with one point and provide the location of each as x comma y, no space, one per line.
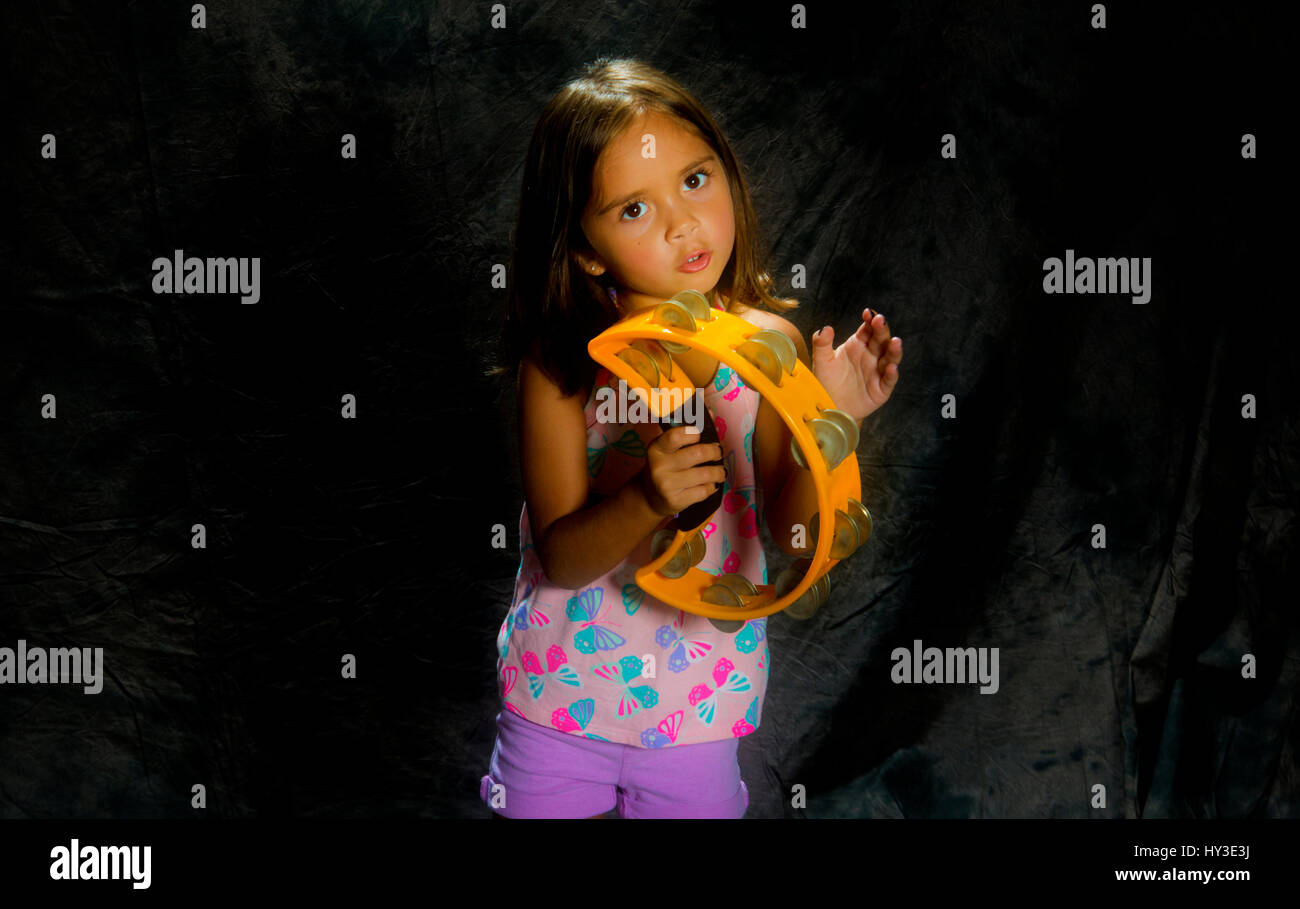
749,313
762,318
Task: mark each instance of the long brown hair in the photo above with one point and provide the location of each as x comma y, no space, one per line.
554,308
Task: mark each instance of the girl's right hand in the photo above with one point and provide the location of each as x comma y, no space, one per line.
671,480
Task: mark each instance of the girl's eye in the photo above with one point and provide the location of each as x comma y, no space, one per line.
704,178
700,178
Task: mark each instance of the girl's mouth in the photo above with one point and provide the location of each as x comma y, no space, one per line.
697,263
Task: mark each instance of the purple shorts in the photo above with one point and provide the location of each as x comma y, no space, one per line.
544,773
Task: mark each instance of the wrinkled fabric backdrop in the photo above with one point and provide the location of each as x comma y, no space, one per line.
1119,667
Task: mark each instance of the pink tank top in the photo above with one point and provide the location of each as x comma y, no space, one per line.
610,662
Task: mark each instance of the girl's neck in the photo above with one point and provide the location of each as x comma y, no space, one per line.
712,297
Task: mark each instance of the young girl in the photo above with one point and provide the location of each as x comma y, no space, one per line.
631,194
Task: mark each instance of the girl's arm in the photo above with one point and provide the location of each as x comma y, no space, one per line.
576,543
789,493
794,504
860,376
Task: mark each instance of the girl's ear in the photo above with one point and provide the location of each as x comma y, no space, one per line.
589,263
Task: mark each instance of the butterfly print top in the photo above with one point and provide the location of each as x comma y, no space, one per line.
608,661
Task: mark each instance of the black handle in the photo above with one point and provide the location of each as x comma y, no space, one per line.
693,516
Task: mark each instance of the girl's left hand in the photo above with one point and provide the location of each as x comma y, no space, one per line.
861,375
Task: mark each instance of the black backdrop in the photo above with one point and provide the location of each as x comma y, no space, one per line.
1119,666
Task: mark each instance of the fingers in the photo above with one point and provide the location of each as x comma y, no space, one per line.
678,437
681,470
882,343
879,330
889,366
687,450
704,477
703,453
876,346
894,353
886,354
870,334
877,355
685,445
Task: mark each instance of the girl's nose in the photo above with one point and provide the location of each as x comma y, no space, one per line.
682,222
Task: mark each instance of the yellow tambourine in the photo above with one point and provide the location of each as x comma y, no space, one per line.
639,351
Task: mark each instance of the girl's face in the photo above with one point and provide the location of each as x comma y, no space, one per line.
648,216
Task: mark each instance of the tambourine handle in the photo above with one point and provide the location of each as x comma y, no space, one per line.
692,516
